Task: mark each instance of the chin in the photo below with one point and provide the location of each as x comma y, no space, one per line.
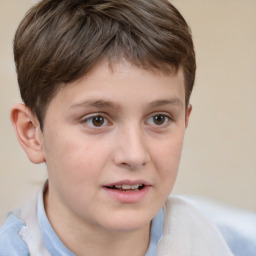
128,222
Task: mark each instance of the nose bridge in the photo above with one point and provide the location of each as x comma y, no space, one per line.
131,148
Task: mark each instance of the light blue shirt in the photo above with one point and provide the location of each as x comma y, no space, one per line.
12,245
238,229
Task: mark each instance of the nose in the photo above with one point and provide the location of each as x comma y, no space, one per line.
131,149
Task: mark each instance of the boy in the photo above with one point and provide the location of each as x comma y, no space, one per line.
106,87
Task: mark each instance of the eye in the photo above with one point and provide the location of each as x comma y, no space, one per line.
96,121
158,120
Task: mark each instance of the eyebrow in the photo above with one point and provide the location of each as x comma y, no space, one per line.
173,101
97,104
110,104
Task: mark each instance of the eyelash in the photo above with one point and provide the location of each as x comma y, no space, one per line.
150,121
166,120
90,119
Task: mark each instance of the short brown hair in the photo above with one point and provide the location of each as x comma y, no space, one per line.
59,41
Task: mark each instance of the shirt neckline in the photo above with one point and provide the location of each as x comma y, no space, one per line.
56,247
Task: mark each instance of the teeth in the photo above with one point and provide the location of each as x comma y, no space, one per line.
135,186
125,186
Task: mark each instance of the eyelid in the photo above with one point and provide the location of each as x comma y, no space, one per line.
166,115
86,118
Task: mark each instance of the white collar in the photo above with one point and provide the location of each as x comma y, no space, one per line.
188,233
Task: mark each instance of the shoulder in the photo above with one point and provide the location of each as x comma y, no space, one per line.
187,231
238,227
10,242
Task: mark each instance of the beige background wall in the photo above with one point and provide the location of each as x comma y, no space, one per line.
219,159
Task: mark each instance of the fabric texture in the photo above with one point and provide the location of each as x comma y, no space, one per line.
188,233
55,246
192,227
10,242
28,232
238,226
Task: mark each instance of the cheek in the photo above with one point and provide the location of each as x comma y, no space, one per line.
74,170
167,157
74,161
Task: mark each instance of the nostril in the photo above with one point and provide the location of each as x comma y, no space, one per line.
131,152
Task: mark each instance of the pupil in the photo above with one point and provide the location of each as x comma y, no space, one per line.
159,119
98,120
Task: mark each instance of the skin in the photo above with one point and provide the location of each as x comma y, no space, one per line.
138,135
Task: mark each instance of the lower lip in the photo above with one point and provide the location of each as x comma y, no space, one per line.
128,196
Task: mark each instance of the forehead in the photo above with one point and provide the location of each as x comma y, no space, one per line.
122,83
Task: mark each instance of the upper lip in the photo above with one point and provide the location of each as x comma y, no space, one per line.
128,182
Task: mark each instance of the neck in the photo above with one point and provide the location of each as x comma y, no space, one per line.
84,238
111,243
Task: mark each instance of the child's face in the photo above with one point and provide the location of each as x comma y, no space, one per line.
113,128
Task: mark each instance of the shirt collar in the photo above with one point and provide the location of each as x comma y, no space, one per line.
56,247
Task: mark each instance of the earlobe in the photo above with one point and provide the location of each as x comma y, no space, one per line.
28,132
188,112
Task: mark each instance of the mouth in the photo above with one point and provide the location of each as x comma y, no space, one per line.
126,187
127,191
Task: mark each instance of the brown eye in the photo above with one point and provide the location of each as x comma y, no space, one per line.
98,121
159,119
95,121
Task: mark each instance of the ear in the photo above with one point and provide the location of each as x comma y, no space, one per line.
188,112
28,132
